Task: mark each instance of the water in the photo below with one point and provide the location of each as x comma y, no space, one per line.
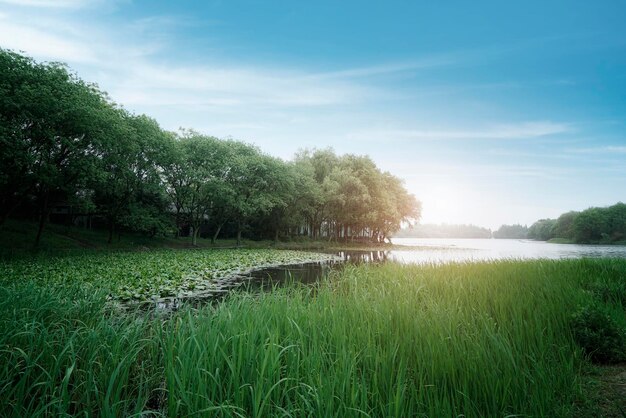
440,250
418,251
447,250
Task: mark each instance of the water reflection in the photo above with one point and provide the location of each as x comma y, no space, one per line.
358,257
306,273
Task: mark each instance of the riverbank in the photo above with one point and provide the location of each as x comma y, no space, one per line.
571,241
481,339
17,237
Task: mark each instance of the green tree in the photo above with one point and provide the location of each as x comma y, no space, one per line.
197,179
52,126
542,230
255,180
511,232
591,225
564,227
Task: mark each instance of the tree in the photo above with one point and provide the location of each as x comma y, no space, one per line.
591,225
196,178
255,180
319,165
542,230
52,127
511,232
564,226
62,141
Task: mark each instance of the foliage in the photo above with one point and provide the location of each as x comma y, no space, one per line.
141,276
352,198
511,232
564,226
599,334
591,226
63,354
484,339
542,230
64,144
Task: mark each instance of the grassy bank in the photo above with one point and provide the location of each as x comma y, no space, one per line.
17,238
487,339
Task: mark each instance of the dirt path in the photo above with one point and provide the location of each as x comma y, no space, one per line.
612,391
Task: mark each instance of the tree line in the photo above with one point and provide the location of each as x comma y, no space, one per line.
515,231
595,225
443,231
67,151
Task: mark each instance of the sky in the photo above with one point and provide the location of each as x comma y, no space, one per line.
492,112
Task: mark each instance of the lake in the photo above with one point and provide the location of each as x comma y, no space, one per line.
425,251
448,249
440,250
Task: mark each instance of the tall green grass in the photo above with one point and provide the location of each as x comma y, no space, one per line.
486,339
63,354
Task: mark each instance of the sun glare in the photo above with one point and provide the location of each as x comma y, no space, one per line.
446,203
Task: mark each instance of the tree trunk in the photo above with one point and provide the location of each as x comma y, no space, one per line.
276,235
42,218
178,223
194,236
238,233
217,232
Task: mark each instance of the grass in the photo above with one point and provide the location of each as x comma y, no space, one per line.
17,238
483,339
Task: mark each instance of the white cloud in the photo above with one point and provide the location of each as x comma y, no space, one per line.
609,149
375,70
150,84
44,45
57,4
524,130
133,76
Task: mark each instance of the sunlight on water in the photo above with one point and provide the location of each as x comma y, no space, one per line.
449,250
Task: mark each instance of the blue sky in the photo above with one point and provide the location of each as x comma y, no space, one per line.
493,112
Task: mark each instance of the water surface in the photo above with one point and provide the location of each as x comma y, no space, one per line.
448,250
438,250
417,251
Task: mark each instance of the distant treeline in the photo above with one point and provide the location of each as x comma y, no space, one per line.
443,231
69,154
595,225
511,232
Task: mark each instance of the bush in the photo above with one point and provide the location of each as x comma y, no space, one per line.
599,335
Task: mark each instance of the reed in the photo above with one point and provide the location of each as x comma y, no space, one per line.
484,339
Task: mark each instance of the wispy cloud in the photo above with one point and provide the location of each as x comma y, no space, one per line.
134,76
608,149
44,44
524,130
55,4
153,84
391,68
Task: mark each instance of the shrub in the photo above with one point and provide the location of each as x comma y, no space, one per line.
599,335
